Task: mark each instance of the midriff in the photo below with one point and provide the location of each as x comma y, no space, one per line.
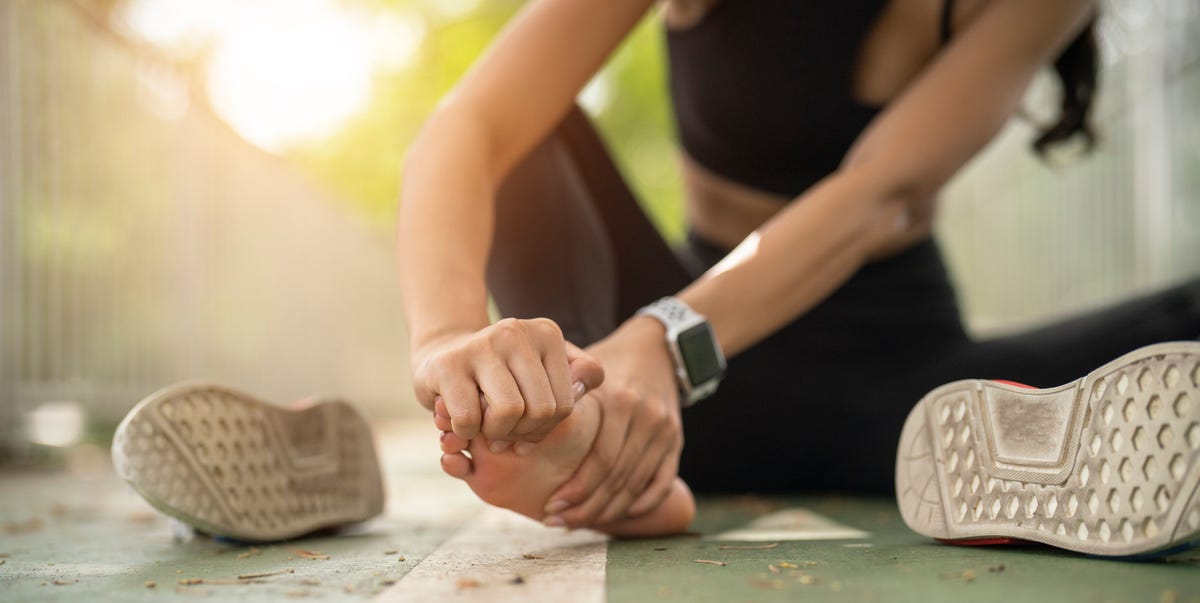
721,211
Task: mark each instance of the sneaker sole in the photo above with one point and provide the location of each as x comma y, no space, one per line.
234,466
1106,465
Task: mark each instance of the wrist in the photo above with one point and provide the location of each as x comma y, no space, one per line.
690,345
424,344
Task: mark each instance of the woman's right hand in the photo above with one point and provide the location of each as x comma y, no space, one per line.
514,380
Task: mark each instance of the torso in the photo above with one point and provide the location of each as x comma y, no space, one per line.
889,45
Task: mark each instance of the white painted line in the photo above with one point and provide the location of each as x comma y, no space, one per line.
483,561
792,524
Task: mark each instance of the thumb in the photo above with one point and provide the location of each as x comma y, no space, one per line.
585,370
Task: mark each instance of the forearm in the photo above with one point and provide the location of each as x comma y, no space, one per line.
881,200
444,232
797,259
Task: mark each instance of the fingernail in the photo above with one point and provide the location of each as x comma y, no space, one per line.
524,448
579,389
499,446
555,506
554,521
443,437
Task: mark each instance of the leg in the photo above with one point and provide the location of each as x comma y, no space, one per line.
1064,351
571,243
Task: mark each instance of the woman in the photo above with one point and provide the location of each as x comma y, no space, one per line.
815,139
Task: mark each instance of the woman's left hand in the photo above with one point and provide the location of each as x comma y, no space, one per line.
635,457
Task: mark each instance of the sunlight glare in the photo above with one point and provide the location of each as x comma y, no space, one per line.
297,79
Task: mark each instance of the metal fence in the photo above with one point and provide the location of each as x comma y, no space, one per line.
1029,240
141,241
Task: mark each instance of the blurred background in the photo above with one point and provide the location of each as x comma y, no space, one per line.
207,189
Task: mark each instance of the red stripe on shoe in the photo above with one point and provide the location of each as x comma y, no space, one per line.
1013,383
982,541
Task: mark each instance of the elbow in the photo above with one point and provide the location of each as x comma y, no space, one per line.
895,210
453,133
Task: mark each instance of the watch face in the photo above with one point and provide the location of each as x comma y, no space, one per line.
699,354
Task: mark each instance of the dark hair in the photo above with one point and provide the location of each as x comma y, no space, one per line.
1077,68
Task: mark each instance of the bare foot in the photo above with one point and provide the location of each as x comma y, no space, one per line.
525,483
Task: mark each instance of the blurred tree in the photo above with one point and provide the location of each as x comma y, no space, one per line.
362,162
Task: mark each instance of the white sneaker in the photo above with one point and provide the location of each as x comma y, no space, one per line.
1106,465
234,466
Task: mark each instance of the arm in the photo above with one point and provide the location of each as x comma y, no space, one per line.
867,208
509,101
880,201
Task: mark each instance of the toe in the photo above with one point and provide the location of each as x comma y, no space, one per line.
457,465
452,444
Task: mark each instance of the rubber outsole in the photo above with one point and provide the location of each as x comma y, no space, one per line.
1107,465
234,466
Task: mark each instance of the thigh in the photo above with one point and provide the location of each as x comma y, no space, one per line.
571,242
819,404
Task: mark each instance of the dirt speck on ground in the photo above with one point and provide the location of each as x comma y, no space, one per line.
710,562
465,583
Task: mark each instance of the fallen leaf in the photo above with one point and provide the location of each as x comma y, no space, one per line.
309,554
191,581
286,570
748,547
151,584
391,552
467,583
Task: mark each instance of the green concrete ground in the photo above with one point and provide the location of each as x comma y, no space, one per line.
76,533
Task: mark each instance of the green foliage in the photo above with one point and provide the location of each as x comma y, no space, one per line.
362,163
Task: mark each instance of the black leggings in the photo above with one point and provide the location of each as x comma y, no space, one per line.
819,404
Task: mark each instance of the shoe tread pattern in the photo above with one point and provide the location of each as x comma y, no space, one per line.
235,466
1131,487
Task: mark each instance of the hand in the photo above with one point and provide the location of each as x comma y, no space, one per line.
635,458
513,380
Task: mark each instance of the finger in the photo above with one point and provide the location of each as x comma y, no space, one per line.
457,465
658,489
540,406
636,457
644,428
504,402
583,487
461,398
452,444
441,417
667,448
584,369
558,372
655,457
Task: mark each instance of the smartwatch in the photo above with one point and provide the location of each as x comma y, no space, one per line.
699,363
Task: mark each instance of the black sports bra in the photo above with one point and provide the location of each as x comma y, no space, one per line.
762,89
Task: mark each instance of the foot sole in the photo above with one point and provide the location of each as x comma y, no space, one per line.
1106,465
234,466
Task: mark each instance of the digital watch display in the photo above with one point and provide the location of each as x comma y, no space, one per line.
695,352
